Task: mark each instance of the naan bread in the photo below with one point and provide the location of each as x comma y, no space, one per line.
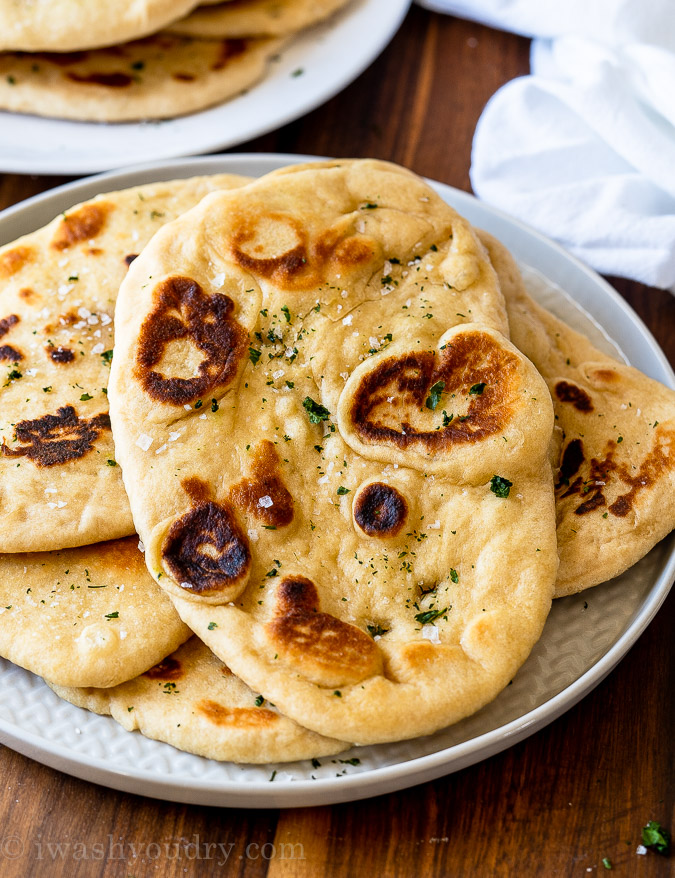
327,438
255,18
160,76
68,25
615,484
59,483
192,701
85,617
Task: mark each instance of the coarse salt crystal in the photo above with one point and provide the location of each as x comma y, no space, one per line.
253,535
93,320
141,546
430,633
144,441
161,448
174,435
202,417
105,319
266,502
347,321
98,348
123,634
186,585
344,294
390,398
435,526
31,372
83,313
50,490
51,505
278,374
374,342
641,850
60,504
187,407
218,280
344,375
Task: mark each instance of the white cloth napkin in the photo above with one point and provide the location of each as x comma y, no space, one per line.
584,148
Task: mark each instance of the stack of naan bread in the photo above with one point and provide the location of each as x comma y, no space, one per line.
359,459
141,59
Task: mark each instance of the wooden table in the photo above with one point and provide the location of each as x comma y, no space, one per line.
557,803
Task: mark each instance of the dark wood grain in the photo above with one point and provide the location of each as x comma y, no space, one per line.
555,804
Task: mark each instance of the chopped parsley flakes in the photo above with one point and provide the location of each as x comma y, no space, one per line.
315,411
656,837
500,486
434,397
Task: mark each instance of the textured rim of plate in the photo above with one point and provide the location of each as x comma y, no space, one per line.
331,53
540,253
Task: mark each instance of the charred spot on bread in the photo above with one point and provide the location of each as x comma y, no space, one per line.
206,552
183,311
380,510
58,438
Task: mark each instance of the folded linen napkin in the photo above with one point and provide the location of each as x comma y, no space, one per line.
584,148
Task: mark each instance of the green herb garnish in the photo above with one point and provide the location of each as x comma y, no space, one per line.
315,411
434,397
477,389
430,615
500,486
655,836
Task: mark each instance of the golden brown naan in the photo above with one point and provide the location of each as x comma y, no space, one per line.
255,18
615,480
85,617
69,25
59,482
160,76
335,457
192,700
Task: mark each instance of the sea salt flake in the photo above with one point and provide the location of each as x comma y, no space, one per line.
430,633
144,441
266,502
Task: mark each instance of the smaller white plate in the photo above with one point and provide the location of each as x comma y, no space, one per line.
585,635
329,56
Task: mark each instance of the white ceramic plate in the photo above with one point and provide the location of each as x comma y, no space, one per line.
329,55
584,638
